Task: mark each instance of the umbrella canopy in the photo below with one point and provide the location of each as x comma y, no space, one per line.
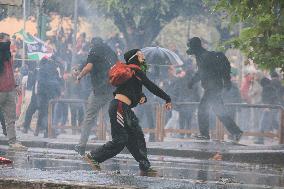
161,56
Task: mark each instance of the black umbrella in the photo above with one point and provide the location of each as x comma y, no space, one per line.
161,56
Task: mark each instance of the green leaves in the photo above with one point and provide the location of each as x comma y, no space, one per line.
263,37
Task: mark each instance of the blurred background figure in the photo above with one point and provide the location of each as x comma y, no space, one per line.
74,91
181,94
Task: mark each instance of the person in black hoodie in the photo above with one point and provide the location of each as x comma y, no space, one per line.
125,128
214,73
48,87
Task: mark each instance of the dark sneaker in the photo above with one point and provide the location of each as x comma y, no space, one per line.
94,164
149,172
236,138
36,131
4,131
201,137
80,150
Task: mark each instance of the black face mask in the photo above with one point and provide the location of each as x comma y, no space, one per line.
144,66
190,51
193,50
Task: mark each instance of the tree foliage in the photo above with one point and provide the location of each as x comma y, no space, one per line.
141,21
262,35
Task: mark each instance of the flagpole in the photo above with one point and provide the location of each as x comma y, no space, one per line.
75,31
24,17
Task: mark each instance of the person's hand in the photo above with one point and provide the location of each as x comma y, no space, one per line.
18,91
142,100
78,78
168,106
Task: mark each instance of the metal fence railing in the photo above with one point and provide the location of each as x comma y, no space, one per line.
219,131
160,130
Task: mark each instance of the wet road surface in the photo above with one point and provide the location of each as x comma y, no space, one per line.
66,166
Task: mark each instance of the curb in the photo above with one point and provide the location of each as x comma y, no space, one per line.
244,156
24,184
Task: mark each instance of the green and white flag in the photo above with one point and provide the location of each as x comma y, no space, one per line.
35,47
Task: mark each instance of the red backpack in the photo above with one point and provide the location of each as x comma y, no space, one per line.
121,72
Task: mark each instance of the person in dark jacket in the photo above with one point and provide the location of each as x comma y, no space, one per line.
214,76
125,128
184,94
33,105
47,87
276,83
270,117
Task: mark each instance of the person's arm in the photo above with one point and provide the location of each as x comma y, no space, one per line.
92,57
194,80
152,87
143,99
87,69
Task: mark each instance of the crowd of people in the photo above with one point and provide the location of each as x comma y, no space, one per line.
56,78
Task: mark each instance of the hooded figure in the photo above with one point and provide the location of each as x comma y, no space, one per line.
131,58
214,74
125,128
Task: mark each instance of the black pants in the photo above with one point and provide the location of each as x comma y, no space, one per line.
32,108
213,99
43,101
185,117
125,131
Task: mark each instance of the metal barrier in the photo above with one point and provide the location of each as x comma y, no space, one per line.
102,127
159,121
160,130
219,132
50,113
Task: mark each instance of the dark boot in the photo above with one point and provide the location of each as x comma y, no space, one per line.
36,131
4,130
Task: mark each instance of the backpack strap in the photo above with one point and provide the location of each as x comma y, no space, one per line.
135,67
